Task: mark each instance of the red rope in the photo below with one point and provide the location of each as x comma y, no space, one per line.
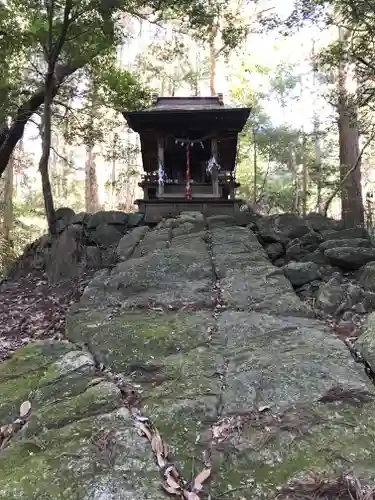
188,189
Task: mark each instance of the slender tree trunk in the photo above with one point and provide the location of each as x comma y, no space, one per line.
55,167
65,164
304,167
213,58
352,210
255,173
91,179
46,149
113,175
294,170
318,164
316,134
212,69
91,182
305,177
197,73
8,201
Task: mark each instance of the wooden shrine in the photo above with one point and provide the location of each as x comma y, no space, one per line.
189,147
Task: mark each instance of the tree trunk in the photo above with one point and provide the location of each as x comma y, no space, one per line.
114,172
65,166
8,202
113,184
352,210
293,169
213,58
67,161
212,68
91,179
316,134
255,173
91,182
46,149
305,177
197,73
55,167
318,164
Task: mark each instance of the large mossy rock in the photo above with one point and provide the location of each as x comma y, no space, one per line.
226,359
78,442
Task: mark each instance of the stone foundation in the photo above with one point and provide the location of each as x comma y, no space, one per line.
155,210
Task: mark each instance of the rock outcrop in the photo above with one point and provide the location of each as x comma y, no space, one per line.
196,326
83,242
324,262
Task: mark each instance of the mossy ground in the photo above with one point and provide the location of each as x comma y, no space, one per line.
77,439
20,377
138,336
80,444
78,461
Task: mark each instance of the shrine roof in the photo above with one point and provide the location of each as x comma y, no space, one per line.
186,104
166,112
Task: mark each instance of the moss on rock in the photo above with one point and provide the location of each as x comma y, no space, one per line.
138,336
21,375
97,457
203,378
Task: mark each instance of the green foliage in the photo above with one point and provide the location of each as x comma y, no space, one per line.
88,35
167,64
284,82
121,90
277,154
357,19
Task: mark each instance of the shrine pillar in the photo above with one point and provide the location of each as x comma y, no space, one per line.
214,172
161,167
232,191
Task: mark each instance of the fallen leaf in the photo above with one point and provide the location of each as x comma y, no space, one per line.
202,476
190,495
264,408
157,444
170,490
161,461
171,482
145,430
25,409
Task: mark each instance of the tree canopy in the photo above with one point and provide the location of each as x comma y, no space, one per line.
84,36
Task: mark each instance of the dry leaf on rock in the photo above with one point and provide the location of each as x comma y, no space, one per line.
161,461
264,408
170,490
171,482
157,444
201,478
190,495
25,409
145,430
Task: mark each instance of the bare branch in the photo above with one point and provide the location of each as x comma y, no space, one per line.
64,30
65,160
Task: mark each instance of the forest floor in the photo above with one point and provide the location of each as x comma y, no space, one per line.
32,309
